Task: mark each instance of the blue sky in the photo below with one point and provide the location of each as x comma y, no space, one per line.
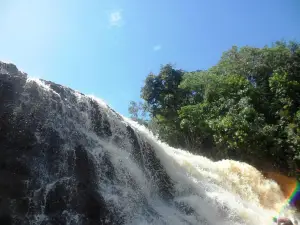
107,47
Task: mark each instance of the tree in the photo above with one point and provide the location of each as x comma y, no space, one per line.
138,112
247,107
164,98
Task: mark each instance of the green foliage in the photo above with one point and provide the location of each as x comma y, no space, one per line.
247,107
161,92
164,97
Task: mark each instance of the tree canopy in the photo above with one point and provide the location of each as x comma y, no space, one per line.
246,107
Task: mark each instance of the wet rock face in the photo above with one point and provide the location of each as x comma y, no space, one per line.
50,170
152,166
13,170
41,172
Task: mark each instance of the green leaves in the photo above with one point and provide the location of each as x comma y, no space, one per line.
246,107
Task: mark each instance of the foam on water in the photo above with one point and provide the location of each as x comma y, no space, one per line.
99,101
237,186
41,84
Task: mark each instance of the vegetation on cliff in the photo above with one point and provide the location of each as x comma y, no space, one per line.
246,107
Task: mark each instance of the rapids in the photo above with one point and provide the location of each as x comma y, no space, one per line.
87,164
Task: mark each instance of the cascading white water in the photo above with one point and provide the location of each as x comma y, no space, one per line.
224,192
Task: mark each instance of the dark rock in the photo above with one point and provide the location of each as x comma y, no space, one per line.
48,163
137,154
156,170
152,167
184,208
56,199
5,219
84,168
100,122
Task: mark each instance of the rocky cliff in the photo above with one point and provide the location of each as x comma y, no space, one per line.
69,159
53,164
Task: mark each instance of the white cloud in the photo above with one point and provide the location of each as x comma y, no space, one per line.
116,18
157,48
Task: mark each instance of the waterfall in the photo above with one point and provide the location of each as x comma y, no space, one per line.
68,158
